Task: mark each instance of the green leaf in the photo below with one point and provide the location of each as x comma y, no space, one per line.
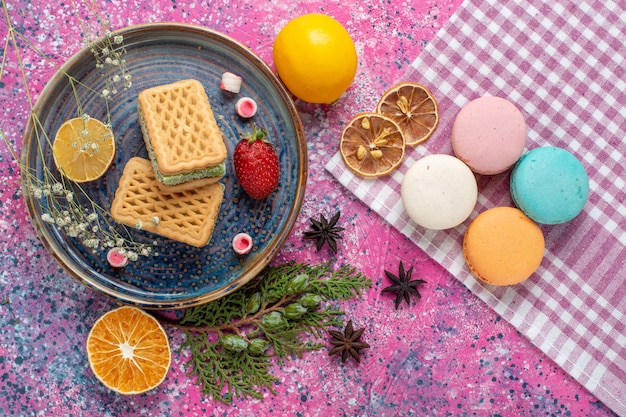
223,375
265,316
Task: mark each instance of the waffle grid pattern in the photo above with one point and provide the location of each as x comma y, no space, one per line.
187,216
181,127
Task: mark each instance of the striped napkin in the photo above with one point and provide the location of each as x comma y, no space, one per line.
563,64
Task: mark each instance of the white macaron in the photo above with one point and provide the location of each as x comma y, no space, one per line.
439,192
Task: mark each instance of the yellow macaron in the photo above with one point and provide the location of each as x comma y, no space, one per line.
502,246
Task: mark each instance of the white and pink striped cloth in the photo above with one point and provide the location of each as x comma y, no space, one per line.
563,64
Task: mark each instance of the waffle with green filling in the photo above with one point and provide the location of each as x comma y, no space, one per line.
181,134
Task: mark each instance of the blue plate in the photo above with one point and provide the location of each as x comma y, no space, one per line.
180,275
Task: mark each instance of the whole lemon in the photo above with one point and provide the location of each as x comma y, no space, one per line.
315,58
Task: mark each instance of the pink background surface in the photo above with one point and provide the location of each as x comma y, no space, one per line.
448,354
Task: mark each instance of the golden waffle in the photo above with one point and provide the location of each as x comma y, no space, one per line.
179,126
188,216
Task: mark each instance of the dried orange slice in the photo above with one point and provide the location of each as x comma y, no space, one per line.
83,149
128,350
413,108
372,145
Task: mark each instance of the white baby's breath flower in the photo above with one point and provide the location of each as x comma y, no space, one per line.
64,207
91,243
46,217
139,225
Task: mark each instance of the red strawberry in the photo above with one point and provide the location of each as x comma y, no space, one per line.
256,164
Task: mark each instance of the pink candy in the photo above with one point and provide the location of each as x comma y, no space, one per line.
242,243
246,107
116,258
230,82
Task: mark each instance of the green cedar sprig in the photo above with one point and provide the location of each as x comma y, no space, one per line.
279,315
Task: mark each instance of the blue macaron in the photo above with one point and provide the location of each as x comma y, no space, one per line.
550,185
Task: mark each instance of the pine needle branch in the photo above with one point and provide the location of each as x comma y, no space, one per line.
278,316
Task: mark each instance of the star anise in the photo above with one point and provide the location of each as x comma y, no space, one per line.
347,343
325,231
403,287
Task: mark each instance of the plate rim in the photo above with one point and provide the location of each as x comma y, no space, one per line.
62,258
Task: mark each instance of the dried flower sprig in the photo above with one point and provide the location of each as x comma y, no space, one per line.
109,54
65,204
85,221
108,50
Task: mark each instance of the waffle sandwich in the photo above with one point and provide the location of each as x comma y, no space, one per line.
188,216
181,134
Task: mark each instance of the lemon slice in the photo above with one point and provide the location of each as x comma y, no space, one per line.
413,108
372,145
83,149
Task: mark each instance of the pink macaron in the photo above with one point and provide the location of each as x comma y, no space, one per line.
489,135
